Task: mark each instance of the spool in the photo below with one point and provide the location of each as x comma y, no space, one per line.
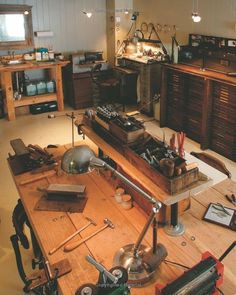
167,166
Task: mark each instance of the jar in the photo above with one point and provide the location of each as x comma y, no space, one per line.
126,202
118,194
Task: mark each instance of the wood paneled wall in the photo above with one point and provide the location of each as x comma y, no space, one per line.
73,31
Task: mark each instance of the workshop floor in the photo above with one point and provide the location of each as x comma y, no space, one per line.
38,129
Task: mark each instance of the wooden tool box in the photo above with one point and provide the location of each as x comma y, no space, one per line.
171,185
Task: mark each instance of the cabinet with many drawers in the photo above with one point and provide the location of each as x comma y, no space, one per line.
202,104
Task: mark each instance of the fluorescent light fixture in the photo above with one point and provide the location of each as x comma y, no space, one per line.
196,17
89,14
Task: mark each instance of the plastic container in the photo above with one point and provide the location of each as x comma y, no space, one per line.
41,87
31,89
50,86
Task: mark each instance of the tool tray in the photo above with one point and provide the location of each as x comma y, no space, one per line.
132,152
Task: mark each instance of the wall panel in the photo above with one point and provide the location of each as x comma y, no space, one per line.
73,31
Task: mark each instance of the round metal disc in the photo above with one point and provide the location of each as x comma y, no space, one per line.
138,271
174,231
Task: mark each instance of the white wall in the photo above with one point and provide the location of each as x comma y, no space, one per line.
218,17
72,30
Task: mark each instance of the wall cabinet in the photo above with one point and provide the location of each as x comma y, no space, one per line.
202,104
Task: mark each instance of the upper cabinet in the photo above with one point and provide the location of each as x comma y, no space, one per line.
16,29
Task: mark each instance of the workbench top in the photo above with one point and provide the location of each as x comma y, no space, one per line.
53,227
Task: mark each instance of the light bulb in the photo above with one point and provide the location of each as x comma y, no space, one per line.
196,17
88,14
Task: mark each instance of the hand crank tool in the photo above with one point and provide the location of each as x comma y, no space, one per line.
76,244
90,222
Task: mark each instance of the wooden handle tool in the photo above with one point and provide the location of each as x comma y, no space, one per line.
77,243
36,178
72,236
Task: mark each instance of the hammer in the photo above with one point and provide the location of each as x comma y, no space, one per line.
76,244
90,221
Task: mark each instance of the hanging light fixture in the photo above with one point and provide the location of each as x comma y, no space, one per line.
195,15
89,14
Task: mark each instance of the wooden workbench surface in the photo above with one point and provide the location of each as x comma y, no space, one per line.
53,227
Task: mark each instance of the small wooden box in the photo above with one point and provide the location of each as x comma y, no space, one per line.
171,185
126,136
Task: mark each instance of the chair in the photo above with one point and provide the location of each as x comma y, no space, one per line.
212,161
108,85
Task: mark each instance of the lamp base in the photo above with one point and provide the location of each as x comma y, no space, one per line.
140,268
174,231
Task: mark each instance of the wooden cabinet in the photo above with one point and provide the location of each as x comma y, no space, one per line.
202,104
223,123
148,81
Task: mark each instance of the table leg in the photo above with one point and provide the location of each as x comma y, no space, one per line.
174,228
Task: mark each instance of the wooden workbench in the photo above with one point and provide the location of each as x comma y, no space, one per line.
6,83
53,227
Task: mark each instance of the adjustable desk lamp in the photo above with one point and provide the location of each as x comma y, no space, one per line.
140,261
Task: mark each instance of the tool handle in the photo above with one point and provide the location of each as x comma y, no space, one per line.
77,243
67,239
36,178
101,269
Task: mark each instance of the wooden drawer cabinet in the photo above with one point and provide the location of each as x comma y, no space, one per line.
184,103
78,89
202,104
223,131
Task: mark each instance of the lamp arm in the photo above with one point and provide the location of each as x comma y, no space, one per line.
144,231
152,200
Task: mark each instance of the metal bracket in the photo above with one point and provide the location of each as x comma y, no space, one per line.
57,270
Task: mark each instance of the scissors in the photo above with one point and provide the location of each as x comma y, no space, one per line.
231,199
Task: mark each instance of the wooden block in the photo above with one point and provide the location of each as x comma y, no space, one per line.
126,136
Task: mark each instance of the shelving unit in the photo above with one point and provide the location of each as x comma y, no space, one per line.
54,68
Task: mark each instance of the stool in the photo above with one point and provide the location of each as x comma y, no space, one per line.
108,86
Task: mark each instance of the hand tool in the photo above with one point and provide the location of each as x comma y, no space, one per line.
90,222
221,208
105,273
39,177
231,199
77,243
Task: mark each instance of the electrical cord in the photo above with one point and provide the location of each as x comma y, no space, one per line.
221,292
176,263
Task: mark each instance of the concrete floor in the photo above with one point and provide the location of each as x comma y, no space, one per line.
38,129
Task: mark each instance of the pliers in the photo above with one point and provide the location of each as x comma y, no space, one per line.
231,199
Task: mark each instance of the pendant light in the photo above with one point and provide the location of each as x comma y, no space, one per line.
195,15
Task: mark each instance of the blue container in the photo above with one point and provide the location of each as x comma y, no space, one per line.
50,86
31,89
41,87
